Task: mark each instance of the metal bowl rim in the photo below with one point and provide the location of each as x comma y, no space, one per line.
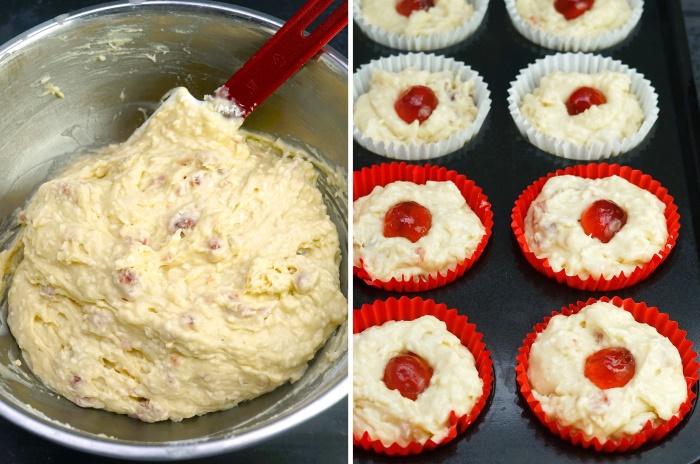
184,449
246,13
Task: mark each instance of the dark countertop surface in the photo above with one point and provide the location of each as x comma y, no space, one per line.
321,439
691,12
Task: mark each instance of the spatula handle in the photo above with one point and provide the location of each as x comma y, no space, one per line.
283,54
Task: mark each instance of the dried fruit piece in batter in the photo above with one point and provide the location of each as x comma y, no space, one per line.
407,219
406,7
416,103
603,219
610,367
572,9
185,223
126,277
582,99
409,374
184,220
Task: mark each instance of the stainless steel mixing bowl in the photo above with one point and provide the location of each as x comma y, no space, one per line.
112,62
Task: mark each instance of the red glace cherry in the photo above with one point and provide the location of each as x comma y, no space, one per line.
603,219
610,367
572,9
582,99
406,7
409,374
418,102
407,219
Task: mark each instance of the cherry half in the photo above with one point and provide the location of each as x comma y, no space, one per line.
406,7
582,99
610,367
407,219
409,374
603,219
418,102
572,9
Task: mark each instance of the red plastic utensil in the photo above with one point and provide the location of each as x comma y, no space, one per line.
282,56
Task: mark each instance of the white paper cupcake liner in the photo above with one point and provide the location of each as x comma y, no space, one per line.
529,79
575,44
432,63
422,42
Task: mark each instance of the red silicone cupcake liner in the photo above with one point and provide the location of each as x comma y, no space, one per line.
644,314
367,179
408,309
597,171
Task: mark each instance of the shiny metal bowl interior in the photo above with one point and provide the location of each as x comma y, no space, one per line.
112,62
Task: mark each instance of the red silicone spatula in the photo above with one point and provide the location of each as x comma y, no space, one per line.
282,56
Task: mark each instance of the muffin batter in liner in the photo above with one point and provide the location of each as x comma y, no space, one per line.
432,63
596,171
364,182
419,43
574,44
406,309
643,314
529,78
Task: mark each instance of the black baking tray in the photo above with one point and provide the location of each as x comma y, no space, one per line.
502,294
323,438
